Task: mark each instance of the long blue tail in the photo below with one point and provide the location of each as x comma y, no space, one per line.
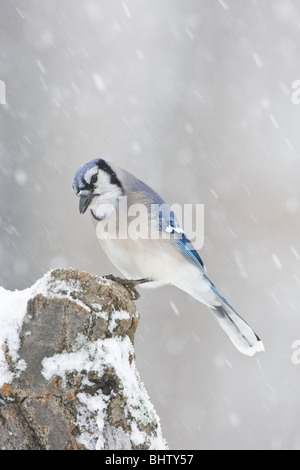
239,332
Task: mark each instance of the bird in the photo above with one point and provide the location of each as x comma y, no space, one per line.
166,257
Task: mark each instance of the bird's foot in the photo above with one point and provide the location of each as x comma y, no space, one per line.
129,284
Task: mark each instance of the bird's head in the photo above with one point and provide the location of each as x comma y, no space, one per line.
98,187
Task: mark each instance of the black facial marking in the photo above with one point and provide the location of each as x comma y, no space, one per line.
102,165
96,217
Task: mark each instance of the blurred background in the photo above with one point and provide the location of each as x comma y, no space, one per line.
195,98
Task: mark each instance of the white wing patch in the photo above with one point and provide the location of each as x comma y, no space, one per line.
171,229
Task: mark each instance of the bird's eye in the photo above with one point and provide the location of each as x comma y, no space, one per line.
94,179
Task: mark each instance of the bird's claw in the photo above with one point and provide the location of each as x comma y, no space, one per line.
129,284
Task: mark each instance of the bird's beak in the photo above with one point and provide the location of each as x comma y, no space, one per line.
84,202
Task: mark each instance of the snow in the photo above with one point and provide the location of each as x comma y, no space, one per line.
137,436
189,33
223,4
213,192
295,252
13,306
93,11
140,54
91,432
99,82
234,419
175,309
126,9
292,204
20,12
114,353
188,128
12,311
241,264
21,177
274,121
288,143
276,261
40,66
120,315
257,61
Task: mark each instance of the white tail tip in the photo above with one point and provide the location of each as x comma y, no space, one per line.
252,350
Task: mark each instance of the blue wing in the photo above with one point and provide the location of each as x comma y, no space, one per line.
168,223
187,249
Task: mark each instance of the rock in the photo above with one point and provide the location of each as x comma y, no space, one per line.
69,379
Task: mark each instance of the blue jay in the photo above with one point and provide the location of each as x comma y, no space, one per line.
156,260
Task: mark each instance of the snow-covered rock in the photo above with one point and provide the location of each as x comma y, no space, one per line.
68,378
